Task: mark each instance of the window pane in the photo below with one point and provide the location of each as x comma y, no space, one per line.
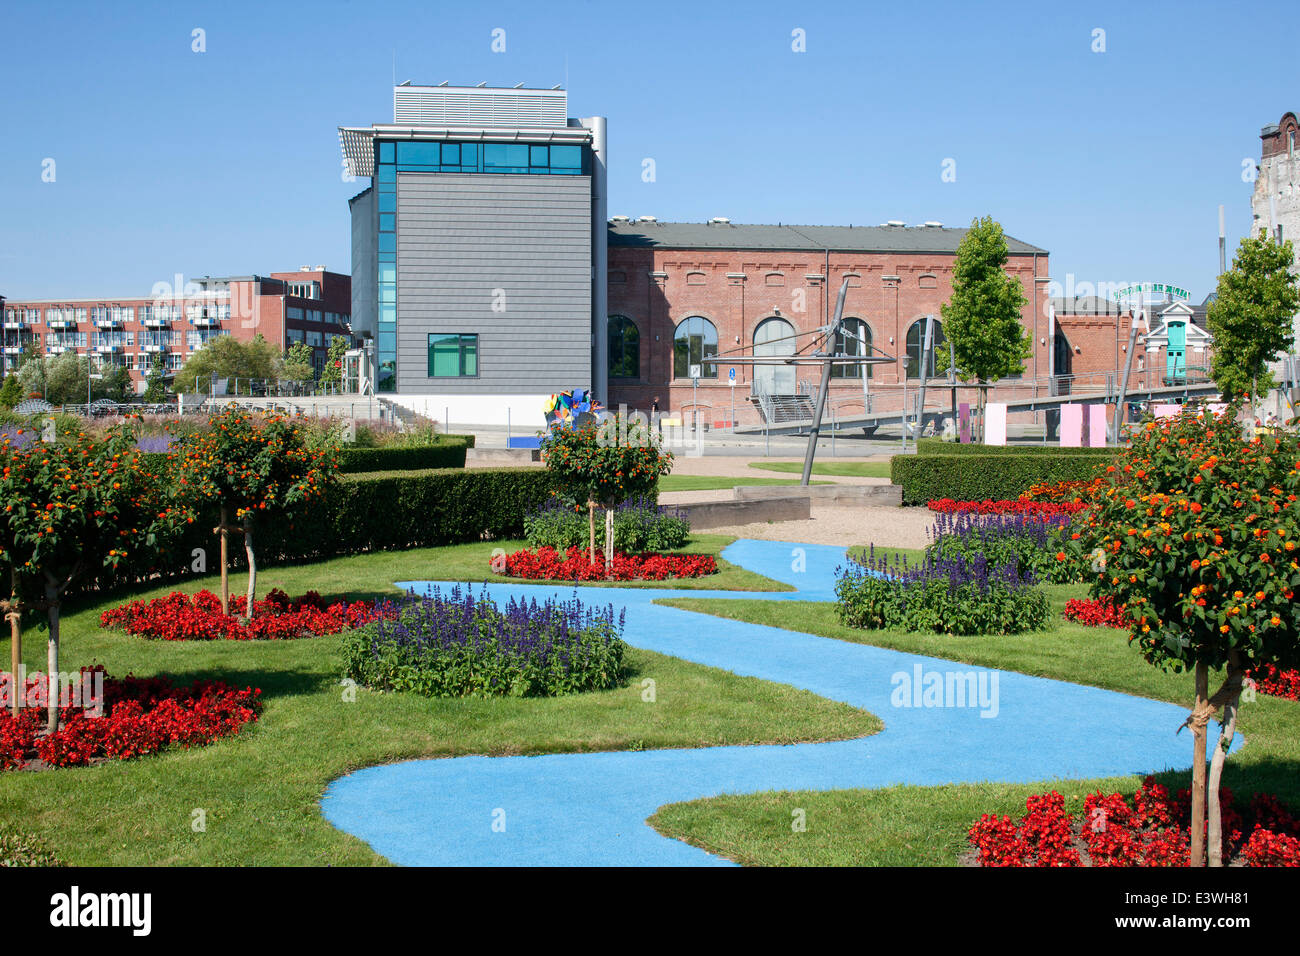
388,174
566,157
469,154
387,222
444,355
388,272
418,154
451,154
469,354
388,242
385,152
388,202
539,156
388,342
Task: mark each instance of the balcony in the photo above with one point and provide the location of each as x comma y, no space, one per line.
205,321
154,348
108,348
15,326
13,350
55,349
108,323
152,323
61,324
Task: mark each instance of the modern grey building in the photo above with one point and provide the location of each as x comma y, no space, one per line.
479,250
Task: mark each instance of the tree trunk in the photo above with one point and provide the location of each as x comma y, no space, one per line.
252,567
1197,857
1232,686
609,541
225,559
52,658
16,683
591,525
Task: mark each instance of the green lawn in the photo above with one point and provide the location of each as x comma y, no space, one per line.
854,469
260,789
925,826
712,483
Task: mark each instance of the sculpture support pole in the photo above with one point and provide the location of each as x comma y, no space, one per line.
831,336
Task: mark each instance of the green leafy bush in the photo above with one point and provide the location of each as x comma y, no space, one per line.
943,596
640,526
925,478
455,645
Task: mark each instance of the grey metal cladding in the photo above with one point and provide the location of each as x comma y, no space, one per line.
505,257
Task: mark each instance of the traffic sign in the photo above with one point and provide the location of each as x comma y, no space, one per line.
731,377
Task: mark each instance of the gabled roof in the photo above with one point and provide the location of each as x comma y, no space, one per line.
762,237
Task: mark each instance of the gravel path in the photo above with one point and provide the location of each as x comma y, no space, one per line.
845,526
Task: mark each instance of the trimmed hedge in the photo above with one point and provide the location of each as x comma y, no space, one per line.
379,511
937,446
924,478
448,453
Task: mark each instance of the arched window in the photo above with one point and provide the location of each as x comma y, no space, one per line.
854,340
774,336
695,340
916,344
624,348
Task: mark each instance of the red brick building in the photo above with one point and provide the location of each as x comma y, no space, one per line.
309,306
679,292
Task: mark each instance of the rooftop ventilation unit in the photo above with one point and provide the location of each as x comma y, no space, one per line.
719,221
304,269
646,219
320,268
895,222
619,219
933,224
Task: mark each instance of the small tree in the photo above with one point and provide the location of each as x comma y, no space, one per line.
71,509
332,373
1251,317
1197,535
11,392
297,365
66,379
605,464
257,465
33,376
155,389
982,320
227,357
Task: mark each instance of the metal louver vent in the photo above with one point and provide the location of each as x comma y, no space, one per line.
475,107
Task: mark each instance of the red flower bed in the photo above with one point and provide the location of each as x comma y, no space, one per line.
1006,507
178,617
1099,613
138,716
1279,683
1153,830
547,564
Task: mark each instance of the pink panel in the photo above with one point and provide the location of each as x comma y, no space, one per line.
995,423
1071,426
1097,426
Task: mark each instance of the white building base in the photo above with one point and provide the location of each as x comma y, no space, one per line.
522,413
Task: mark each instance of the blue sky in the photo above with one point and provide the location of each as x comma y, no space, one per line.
227,161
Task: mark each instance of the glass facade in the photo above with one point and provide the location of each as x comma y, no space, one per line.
453,355
520,158
386,276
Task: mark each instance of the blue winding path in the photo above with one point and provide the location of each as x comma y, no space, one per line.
590,809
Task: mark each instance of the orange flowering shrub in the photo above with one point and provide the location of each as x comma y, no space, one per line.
1196,533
